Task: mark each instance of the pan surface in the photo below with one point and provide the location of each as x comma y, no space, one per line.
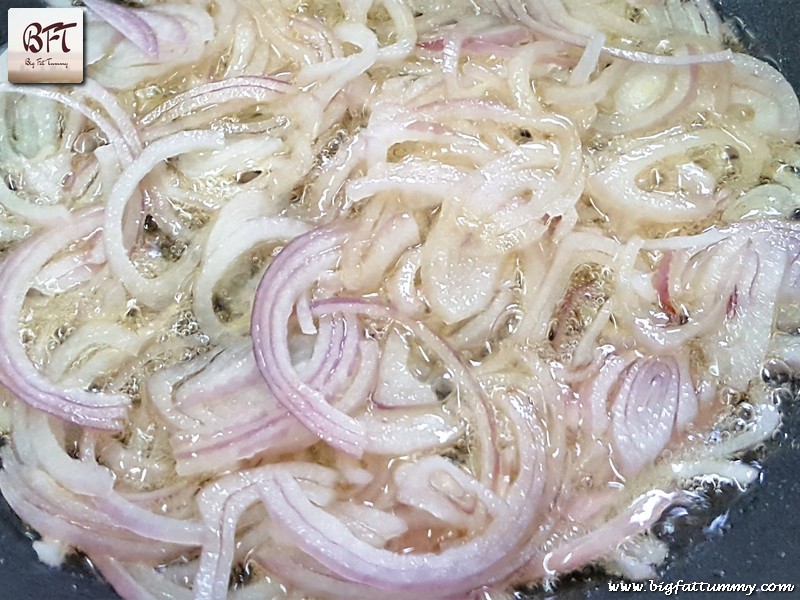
755,541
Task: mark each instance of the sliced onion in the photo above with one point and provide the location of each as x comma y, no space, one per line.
160,291
588,62
301,263
553,30
440,488
36,214
327,540
415,178
233,90
126,580
232,243
399,433
769,95
60,514
461,567
615,188
651,402
128,23
397,386
17,373
222,503
384,239
643,513
115,134
646,98
474,394
459,271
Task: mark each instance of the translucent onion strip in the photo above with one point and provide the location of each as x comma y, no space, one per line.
17,372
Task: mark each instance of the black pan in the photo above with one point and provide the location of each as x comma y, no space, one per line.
755,540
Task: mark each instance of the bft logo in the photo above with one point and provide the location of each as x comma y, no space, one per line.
45,45
32,38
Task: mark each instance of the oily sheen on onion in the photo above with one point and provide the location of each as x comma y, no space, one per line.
390,298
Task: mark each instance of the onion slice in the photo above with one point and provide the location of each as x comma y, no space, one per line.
298,266
128,23
151,292
17,372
